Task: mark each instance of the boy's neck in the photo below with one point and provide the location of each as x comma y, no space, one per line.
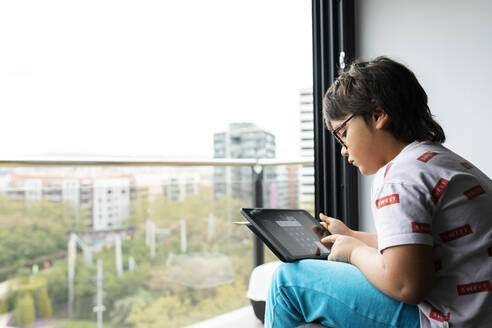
392,147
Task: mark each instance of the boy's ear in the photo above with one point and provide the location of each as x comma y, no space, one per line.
380,118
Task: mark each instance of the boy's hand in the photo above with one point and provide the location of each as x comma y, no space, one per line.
321,232
341,247
334,226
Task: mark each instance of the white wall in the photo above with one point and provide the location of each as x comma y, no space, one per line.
448,45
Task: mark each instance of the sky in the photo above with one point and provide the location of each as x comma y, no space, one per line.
158,78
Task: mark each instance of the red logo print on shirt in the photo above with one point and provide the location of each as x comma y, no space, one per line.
439,317
456,233
475,287
425,157
387,200
387,169
467,165
421,228
439,189
474,192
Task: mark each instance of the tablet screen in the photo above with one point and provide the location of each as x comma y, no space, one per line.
291,229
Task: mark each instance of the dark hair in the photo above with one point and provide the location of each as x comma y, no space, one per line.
388,85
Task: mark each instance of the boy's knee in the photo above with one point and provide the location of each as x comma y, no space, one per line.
284,273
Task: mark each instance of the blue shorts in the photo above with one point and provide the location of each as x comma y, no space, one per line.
334,294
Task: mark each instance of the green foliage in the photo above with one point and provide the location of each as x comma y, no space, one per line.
44,304
85,292
144,297
4,304
31,230
139,211
79,324
29,241
123,307
23,291
9,207
25,312
175,311
120,287
57,282
168,311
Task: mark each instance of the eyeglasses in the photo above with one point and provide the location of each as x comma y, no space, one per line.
335,132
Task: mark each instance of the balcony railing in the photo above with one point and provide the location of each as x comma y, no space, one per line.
142,241
149,161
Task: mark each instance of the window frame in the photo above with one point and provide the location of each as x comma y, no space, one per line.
336,181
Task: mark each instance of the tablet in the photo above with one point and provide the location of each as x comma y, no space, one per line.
287,232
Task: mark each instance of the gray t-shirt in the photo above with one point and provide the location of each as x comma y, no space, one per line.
431,196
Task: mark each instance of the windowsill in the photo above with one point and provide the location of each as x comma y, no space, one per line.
241,318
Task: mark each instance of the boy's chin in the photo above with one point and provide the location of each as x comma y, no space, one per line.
364,171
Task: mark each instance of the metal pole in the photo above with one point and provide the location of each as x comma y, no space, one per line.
147,232
211,227
152,239
258,248
131,264
118,255
184,243
72,253
99,308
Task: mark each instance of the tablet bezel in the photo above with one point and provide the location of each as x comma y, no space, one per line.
273,243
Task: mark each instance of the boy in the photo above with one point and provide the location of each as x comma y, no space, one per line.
430,264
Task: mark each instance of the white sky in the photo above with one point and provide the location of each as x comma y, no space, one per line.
150,77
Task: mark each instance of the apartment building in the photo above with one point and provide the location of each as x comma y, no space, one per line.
105,200
242,140
306,129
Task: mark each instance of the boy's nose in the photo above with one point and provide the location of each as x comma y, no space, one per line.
344,152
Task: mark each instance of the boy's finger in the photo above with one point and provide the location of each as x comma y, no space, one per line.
318,231
330,239
325,218
326,230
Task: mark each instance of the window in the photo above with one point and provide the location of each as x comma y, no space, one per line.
190,81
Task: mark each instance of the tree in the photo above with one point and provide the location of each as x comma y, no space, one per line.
24,308
4,304
44,304
45,231
167,311
57,282
85,292
123,307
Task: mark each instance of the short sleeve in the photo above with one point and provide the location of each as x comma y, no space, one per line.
402,215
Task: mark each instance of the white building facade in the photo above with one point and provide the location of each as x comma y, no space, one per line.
111,203
306,129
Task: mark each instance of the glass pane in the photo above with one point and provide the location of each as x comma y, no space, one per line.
132,78
167,80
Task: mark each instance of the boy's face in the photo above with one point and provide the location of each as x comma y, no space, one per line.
364,147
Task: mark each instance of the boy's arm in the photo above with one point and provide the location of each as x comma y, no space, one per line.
335,226
402,272
371,239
